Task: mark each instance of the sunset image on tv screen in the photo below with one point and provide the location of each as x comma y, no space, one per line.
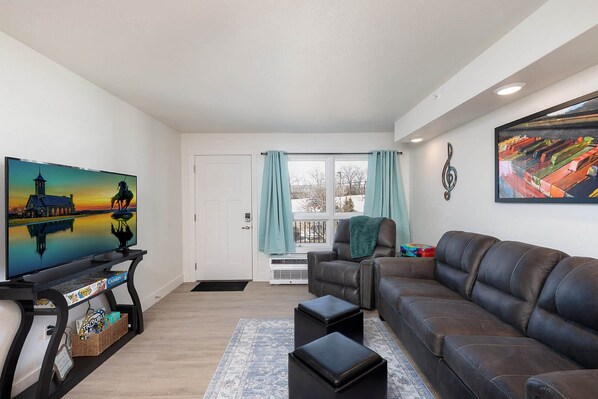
56,214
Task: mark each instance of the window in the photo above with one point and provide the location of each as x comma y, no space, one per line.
324,189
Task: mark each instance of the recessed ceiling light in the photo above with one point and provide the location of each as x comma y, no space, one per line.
417,140
509,89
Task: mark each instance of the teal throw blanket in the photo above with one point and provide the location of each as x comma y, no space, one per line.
363,233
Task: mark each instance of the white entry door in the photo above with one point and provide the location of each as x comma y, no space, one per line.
222,203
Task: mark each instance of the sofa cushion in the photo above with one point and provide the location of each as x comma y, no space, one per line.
432,319
341,240
458,257
510,278
340,272
566,317
394,289
498,367
563,384
385,245
349,294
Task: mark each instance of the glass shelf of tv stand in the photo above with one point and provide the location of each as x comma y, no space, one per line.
47,279
52,311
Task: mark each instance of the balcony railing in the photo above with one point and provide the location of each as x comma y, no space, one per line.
309,231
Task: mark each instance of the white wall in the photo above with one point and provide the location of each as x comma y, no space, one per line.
253,144
50,114
568,227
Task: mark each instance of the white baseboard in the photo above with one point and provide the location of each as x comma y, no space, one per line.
25,382
161,292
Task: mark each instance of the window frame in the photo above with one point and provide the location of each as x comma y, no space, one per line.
330,216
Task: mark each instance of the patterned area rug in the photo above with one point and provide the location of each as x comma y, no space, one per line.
255,363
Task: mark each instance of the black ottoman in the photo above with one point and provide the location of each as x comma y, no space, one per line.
335,366
322,316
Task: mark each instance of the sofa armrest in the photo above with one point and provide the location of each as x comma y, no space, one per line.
313,258
366,284
405,267
563,384
422,268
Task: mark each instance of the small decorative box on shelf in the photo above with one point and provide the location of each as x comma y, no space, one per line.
418,250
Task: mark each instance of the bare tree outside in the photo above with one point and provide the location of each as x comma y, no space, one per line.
316,201
308,193
351,178
308,186
349,191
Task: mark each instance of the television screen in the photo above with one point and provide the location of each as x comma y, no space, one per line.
551,156
56,214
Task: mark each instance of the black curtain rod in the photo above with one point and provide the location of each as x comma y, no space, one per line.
330,153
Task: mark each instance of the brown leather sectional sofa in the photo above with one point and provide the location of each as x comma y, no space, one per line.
496,319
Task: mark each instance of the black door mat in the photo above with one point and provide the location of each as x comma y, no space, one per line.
220,286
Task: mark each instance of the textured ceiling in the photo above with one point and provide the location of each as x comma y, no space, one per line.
265,65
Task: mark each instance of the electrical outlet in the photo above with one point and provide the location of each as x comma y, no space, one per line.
47,331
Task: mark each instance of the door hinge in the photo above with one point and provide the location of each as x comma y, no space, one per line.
193,168
196,266
195,218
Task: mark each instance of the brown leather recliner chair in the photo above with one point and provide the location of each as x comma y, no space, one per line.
336,273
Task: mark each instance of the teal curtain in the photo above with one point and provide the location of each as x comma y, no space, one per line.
276,215
384,194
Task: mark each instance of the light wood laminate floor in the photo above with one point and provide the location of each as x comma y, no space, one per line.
185,336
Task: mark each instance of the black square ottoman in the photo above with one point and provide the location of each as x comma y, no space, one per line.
321,316
337,367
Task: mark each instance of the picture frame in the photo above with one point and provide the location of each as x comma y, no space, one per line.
550,156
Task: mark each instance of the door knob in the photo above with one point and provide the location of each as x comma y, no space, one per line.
245,228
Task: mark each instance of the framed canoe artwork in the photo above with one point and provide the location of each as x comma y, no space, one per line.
551,156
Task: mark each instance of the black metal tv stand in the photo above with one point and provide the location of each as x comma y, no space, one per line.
26,291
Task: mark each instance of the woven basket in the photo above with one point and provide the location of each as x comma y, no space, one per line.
94,344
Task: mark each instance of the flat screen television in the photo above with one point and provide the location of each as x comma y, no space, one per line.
56,214
550,156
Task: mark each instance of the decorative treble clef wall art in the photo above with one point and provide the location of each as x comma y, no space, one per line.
449,174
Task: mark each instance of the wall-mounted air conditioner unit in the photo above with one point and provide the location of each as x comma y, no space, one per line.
288,270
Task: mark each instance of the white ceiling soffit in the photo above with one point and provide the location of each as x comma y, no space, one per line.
557,41
265,65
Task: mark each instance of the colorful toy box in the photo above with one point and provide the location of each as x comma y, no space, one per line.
81,288
113,278
418,250
84,287
116,278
